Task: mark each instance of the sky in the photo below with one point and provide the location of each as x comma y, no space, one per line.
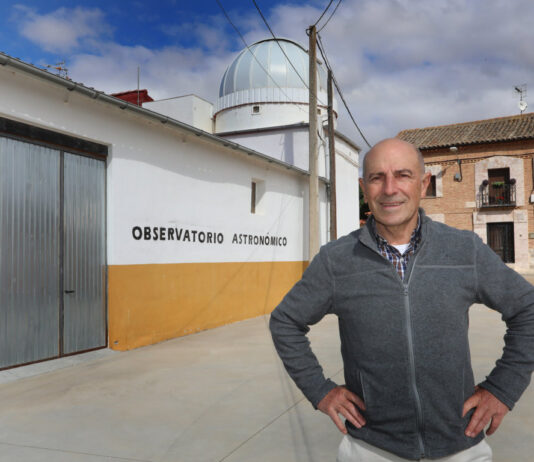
400,63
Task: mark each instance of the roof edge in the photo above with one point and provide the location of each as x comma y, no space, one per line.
518,116
6,60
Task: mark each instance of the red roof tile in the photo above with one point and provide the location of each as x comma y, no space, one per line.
513,128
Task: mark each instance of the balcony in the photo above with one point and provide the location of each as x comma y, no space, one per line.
498,194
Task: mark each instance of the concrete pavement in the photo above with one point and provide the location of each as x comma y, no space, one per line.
219,395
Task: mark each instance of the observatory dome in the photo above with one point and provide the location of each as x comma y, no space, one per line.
262,73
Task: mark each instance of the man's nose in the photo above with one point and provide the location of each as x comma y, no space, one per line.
390,185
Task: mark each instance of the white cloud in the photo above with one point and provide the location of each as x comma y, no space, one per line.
208,34
414,63
63,30
401,63
167,72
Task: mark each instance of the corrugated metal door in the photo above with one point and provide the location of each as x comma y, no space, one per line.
29,252
84,272
52,253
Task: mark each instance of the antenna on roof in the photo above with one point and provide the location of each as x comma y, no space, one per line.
138,71
522,90
60,69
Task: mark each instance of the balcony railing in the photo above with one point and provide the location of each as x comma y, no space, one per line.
497,195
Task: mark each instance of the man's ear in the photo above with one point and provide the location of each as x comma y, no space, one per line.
362,187
425,183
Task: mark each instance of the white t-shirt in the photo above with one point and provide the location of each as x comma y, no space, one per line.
401,247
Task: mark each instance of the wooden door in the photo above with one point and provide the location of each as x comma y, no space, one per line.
501,240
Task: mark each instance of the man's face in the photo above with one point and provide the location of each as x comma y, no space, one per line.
394,184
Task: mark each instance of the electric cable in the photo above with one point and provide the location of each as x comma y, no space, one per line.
325,10
255,58
280,46
323,54
330,17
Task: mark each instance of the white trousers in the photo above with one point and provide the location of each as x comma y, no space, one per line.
354,450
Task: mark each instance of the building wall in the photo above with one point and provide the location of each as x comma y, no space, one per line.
271,114
288,145
347,188
189,109
162,178
457,204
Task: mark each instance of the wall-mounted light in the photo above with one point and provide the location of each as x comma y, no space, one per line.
458,176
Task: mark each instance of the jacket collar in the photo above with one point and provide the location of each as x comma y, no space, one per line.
367,236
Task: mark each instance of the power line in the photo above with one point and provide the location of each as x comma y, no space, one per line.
254,56
323,54
280,46
329,17
272,33
325,10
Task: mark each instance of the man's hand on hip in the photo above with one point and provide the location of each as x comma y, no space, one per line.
342,401
488,408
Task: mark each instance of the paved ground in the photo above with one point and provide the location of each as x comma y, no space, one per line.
219,395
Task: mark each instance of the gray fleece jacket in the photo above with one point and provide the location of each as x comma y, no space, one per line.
404,343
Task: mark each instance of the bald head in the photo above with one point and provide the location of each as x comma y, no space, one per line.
393,145
393,184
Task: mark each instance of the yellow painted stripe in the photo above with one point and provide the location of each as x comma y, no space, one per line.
151,303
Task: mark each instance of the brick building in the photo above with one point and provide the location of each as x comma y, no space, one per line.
482,180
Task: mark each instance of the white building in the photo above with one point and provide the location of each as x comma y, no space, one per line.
123,226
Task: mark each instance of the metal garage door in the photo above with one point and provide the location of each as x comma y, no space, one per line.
52,253
84,266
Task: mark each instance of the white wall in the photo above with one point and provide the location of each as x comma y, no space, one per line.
191,186
287,145
347,187
158,176
290,145
348,203
270,115
189,109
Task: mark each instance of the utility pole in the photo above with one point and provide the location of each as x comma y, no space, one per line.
332,153
313,206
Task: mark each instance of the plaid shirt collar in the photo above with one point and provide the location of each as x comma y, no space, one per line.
400,262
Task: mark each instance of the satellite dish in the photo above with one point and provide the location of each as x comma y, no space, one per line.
522,105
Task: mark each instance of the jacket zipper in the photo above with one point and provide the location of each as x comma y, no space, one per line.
409,335
411,356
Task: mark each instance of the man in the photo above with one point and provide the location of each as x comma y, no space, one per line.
401,288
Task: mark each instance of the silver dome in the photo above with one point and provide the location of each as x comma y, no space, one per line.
247,74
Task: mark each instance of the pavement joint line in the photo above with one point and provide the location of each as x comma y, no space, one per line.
261,429
200,417
129,459
268,424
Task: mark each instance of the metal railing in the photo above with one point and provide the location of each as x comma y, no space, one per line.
497,195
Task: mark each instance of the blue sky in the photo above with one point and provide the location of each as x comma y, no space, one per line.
401,63
130,23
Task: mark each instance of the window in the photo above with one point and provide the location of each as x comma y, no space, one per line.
435,186
431,190
256,109
499,186
253,197
257,191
